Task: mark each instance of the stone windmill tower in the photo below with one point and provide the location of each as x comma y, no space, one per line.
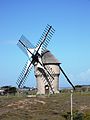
52,64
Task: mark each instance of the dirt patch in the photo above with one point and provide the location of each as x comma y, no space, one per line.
24,103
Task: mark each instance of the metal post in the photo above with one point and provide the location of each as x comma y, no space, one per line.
71,105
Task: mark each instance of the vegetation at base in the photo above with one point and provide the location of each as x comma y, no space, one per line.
44,107
76,115
9,90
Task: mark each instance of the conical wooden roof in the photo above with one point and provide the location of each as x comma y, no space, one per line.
49,58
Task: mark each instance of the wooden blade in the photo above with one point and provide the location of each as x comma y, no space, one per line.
45,38
24,74
25,45
66,77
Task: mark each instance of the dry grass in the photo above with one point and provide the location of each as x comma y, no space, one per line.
52,107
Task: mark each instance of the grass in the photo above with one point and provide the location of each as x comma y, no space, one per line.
53,107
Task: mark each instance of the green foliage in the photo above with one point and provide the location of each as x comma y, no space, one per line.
78,116
67,115
9,90
12,90
78,86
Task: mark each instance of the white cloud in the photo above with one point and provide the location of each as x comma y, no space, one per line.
82,78
85,75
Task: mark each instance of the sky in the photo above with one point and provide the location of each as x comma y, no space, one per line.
70,43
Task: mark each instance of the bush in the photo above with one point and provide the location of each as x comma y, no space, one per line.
76,116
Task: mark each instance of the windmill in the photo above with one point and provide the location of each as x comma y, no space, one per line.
34,54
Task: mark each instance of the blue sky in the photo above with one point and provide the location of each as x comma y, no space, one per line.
70,43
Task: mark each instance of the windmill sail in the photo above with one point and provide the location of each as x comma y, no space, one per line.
43,42
24,74
34,53
45,38
24,45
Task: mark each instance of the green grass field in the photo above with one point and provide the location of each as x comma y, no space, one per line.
53,107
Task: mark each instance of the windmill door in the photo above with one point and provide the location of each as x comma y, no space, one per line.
46,89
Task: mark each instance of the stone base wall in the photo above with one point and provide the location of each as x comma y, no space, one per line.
40,80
